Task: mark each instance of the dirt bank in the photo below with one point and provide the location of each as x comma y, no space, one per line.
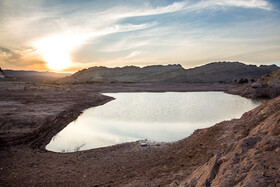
267,86
31,113
244,151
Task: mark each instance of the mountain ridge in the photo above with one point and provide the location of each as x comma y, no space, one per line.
213,72
34,76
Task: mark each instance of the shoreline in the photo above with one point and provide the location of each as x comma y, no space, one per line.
32,152
115,95
63,117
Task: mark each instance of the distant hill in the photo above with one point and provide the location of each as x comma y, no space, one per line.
155,73
225,72
34,76
209,73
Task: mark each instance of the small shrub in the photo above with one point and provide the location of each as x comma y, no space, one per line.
242,81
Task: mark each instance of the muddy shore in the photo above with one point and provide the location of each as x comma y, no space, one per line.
31,114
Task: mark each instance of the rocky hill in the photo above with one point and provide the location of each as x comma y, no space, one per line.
2,74
213,72
226,72
249,153
266,86
127,74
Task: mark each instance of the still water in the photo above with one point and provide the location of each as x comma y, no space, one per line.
159,117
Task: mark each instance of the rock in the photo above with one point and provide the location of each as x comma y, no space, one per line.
143,144
253,158
2,74
203,175
256,85
175,184
266,86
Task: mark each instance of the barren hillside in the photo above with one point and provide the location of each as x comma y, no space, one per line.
210,73
266,86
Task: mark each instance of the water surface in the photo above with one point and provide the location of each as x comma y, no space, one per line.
160,117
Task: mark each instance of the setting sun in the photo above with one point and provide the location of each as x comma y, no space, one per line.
57,60
56,50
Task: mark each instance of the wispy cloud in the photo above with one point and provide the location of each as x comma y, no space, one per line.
125,12
174,7
24,24
252,4
125,44
41,21
260,4
133,54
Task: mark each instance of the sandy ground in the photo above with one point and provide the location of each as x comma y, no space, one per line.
31,114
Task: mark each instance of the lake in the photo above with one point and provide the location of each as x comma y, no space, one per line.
158,117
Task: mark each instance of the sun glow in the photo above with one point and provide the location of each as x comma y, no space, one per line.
56,50
57,59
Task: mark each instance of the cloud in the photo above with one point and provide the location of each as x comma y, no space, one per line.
174,7
260,4
24,24
203,4
126,12
124,28
125,44
21,58
4,50
133,54
252,4
17,16
40,22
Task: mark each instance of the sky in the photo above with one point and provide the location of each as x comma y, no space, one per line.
68,35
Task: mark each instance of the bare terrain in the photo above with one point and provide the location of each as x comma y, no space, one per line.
34,76
267,86
243,152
